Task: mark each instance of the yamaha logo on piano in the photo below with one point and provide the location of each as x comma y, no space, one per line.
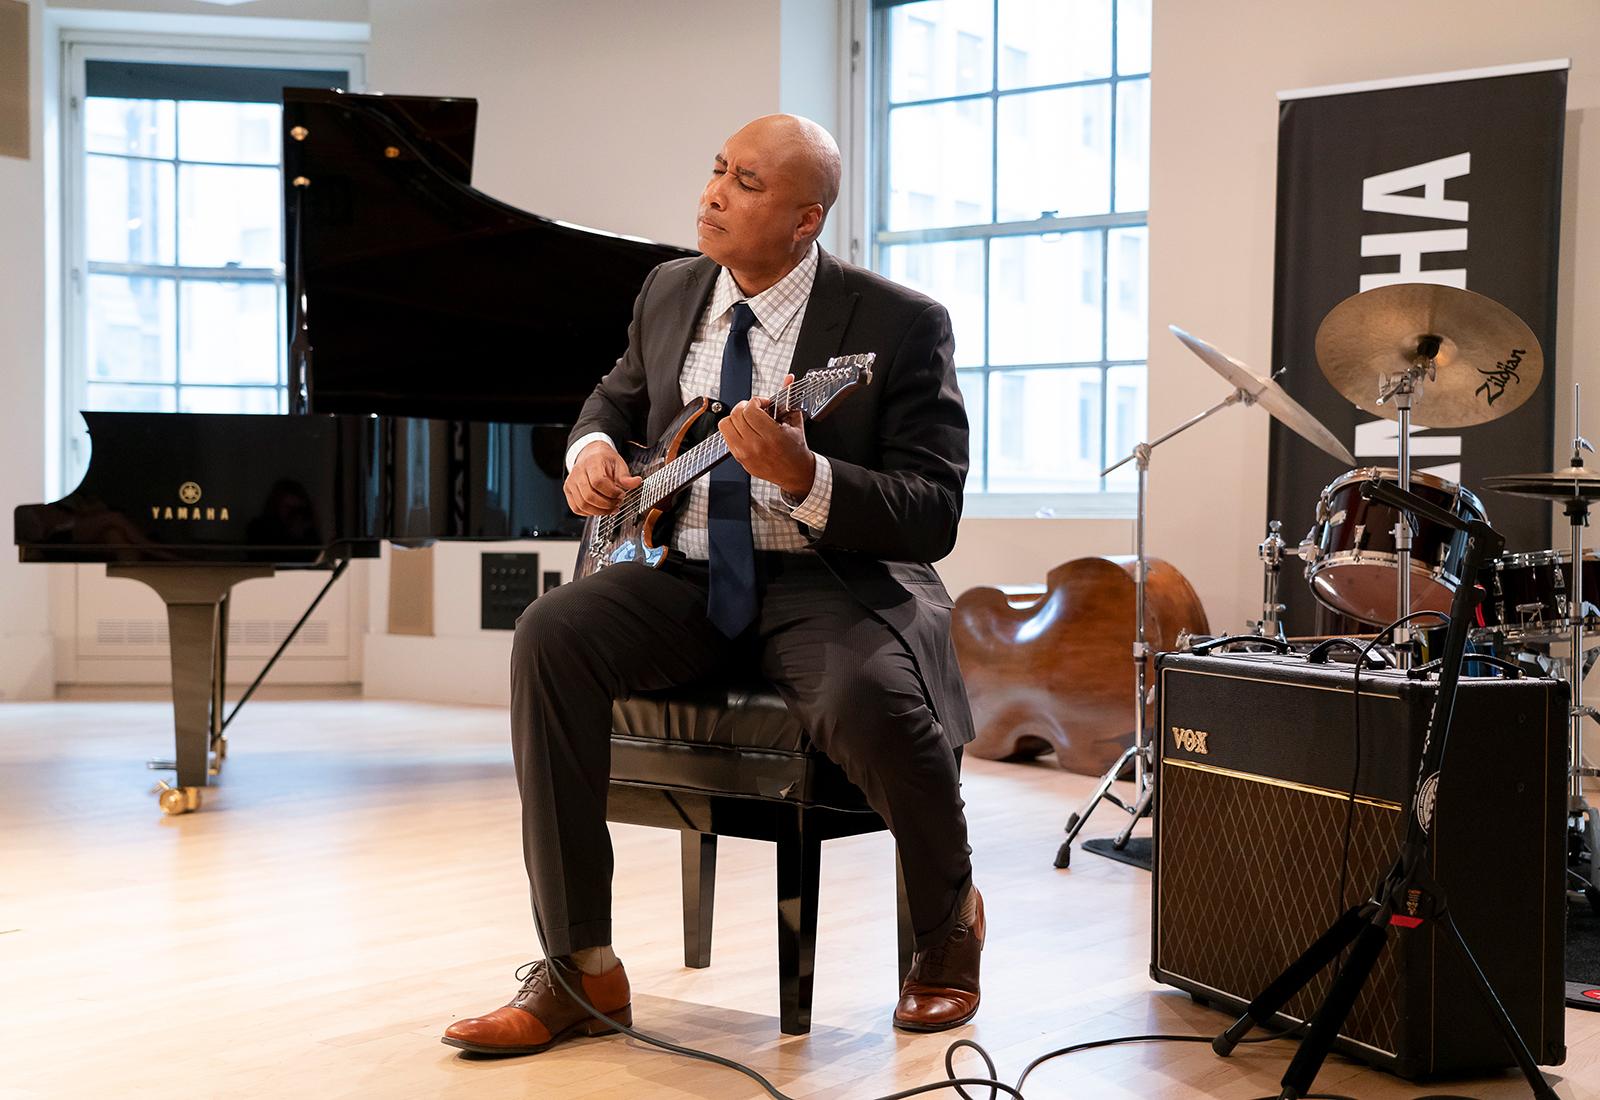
189,493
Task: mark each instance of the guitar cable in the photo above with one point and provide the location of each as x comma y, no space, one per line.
992,1081
951,1081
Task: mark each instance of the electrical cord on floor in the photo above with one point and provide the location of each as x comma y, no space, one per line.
992,1082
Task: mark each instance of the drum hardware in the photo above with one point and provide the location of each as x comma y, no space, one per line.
1248,389
1573,488
1271,553
1433,354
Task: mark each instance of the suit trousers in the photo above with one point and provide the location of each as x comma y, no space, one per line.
846,676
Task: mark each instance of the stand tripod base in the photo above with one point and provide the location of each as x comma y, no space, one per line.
1103,793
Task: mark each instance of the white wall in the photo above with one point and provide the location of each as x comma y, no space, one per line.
29,308
607,113
27,668
1217,67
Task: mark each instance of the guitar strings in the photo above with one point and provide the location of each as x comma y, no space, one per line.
795,393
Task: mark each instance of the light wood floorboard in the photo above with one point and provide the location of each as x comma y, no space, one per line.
357,884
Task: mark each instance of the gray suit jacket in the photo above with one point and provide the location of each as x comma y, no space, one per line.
898,448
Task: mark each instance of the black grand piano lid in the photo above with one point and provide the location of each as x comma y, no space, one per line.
425,297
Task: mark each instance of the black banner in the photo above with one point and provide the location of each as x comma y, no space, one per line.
1454,181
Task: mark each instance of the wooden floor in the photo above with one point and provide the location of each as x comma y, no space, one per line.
357,884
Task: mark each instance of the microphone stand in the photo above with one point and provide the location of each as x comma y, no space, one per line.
1140,752
1408,896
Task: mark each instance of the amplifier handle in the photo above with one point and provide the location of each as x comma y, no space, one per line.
1319,654
1512,670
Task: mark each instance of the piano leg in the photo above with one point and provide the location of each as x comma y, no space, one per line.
197,623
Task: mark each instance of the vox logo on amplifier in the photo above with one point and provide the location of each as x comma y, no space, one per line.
1190,740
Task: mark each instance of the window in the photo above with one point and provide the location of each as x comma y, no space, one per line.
1010,182
175,240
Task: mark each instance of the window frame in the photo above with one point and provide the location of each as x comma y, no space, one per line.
869,96
78,48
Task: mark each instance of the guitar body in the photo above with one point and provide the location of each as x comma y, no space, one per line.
607,540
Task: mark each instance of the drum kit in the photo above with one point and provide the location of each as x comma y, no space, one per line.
1434,356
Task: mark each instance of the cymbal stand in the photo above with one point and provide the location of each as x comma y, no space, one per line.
1580,814
1402,389
1141,753
1270,625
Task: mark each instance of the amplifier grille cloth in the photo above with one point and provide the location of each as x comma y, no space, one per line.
1266,858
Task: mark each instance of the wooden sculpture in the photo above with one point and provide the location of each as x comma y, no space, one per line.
1053,670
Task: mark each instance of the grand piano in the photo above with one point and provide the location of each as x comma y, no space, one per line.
440,345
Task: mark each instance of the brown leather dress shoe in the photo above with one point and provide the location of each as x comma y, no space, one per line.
542,1014
941,991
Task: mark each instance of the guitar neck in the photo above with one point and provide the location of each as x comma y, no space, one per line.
701,457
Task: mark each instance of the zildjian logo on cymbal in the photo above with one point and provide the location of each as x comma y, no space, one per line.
1494,381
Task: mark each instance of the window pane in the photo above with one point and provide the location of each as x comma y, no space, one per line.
951,273
1044,431
1044,298
939,164
230,332
138,127
972,393
131,327
1127,281
1126,427
1055,153
939,48
129,210
1133,36
103,397
246,132
228,399
228,216
1133,145
1054,41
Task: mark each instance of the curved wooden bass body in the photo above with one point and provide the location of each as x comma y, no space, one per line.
1054,671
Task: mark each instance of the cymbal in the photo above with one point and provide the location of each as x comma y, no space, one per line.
1269,395
1573,483
1487,361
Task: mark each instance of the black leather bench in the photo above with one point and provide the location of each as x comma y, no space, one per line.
720,760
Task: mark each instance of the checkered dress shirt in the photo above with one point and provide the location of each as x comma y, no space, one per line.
780,310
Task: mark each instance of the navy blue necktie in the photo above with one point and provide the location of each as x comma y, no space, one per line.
731,598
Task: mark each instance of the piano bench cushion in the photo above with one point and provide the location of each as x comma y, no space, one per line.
735,740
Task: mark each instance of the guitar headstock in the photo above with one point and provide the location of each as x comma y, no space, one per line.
816,392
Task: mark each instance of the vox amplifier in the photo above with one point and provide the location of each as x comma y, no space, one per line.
1256,758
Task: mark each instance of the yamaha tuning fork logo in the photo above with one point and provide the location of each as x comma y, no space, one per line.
189,508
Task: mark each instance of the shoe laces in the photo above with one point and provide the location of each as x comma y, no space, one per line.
934,958
532,975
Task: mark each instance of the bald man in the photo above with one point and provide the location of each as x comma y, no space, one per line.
808,561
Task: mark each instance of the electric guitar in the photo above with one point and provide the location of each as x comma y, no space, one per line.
627,534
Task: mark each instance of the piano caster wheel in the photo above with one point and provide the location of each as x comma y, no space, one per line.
177,800
219,753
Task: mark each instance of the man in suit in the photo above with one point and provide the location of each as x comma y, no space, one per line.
805,557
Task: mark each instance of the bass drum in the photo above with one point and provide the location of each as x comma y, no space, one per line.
1350,554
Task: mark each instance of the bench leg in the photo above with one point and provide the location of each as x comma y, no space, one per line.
905,934
699,893
799,861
